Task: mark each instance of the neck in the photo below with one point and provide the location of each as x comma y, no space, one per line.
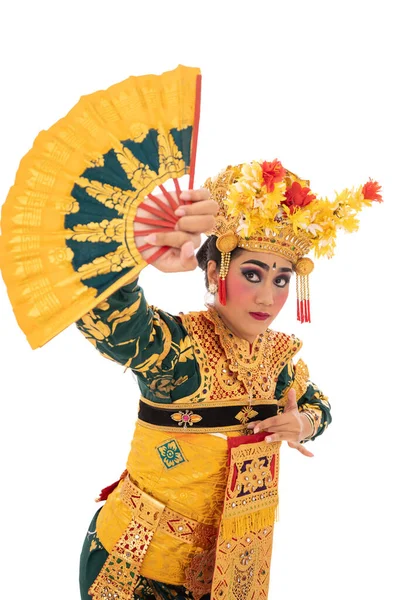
249,339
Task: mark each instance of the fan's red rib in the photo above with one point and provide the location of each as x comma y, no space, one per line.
174,205
157,254
177,189
144,247
148,231
164,207
155,222
158,213
195,133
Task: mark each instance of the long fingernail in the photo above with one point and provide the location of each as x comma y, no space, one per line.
180,211
256,429
151,239
189,251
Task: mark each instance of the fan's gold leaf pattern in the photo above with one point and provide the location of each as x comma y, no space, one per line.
106,231
112,262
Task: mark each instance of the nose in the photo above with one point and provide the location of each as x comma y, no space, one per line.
265,294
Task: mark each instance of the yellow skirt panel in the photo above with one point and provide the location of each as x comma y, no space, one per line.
187,473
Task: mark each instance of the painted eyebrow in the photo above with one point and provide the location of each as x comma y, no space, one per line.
266,267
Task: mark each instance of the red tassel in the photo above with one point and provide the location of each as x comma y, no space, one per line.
298,309
222,291
308,311
105,492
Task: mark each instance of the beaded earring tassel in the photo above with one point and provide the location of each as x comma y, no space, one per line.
303,298
223,271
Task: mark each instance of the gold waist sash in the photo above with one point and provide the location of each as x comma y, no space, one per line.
123,566
231,562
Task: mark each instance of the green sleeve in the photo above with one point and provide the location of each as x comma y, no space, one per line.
152,343
311,400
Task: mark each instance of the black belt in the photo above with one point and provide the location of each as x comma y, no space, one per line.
197,418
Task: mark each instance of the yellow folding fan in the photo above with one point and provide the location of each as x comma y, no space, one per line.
67,223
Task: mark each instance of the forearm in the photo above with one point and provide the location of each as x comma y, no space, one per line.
314,407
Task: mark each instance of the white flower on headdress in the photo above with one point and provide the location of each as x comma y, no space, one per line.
243,227
252,173
258,202
313,228
326,242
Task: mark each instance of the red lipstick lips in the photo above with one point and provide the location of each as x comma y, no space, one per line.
260,316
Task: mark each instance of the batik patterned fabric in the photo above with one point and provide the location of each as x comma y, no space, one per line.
182,363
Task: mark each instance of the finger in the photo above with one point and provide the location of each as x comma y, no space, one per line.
288,427
267,423
282,436
195,195
275,437
187,257
207,207
196,224
253,424
301,449
174,239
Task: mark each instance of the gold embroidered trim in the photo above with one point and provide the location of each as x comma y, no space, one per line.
252,490
195,431
174,405
299,383
121,570
244,545
120,573
171,522
259,369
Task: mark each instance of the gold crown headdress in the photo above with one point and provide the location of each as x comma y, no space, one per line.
266,208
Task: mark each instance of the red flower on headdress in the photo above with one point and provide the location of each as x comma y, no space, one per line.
297,196
371,191
272,172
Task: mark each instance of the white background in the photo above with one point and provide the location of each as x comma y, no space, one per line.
315,84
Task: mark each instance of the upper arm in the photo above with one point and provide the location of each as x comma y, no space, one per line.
127,330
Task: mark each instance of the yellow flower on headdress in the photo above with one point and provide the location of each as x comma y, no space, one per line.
264,198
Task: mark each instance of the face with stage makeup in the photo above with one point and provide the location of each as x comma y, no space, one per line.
257,287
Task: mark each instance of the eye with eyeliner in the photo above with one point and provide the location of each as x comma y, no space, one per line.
248,272
284,278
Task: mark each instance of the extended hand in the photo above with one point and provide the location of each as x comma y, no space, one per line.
194,219
289,426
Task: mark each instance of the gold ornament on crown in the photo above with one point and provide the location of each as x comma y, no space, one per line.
266,208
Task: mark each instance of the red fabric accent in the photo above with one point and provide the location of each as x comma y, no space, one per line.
252,438
272,466
222,291
105,492
195,133
298,309
308,314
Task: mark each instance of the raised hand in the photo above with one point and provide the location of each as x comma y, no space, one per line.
194,219
290,426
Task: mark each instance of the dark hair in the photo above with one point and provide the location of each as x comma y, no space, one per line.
209,251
